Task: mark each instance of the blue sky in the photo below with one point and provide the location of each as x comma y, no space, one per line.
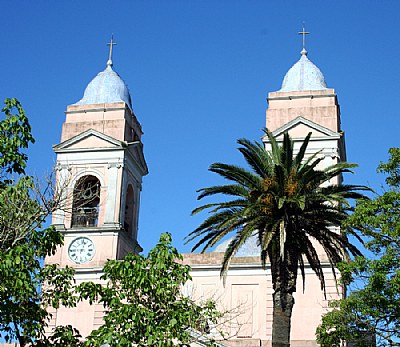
199,73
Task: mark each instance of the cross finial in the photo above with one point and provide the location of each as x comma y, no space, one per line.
111,44
304,33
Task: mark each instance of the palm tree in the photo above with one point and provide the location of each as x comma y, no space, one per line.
285,201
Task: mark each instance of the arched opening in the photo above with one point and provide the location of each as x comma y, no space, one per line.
86,202
129,210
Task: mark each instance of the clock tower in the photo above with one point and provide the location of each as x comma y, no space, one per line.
100,165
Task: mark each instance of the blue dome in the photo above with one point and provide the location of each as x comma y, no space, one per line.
303,75
249,249
106,87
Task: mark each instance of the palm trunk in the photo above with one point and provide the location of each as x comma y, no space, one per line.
281,318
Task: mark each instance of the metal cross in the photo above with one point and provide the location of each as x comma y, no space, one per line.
111,44
304,33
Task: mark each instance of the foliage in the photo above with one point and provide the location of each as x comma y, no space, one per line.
142,297
19,213
23,242
285,201
143,301
375,307
23,301
15,134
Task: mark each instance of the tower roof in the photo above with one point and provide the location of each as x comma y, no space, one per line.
303,75
106,87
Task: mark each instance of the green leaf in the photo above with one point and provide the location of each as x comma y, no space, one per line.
371,310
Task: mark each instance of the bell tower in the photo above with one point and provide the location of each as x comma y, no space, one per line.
305,104
100,166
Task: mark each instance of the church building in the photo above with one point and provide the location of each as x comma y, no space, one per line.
100,166
303,104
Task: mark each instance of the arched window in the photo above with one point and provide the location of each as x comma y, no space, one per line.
129,210
86,202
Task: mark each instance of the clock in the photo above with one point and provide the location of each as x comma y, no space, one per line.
81,250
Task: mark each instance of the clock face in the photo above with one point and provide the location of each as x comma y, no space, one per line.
81,250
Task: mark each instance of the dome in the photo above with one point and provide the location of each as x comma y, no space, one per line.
106,87
303,75
249,249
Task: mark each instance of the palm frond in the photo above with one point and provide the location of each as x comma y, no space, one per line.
236,174
213,223
313,261
216,207
287,199
275,149
255,155
233,247
302,151
303,272
287,153
228,189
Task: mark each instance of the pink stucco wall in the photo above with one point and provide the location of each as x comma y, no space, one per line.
247,299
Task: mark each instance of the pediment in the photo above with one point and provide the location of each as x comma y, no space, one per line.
89,139
299,127
136,151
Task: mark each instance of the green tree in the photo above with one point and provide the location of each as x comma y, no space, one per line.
142,296
143,301
285,201
372,309
23,241
15,135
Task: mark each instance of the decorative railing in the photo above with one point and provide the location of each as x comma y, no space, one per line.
85,217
